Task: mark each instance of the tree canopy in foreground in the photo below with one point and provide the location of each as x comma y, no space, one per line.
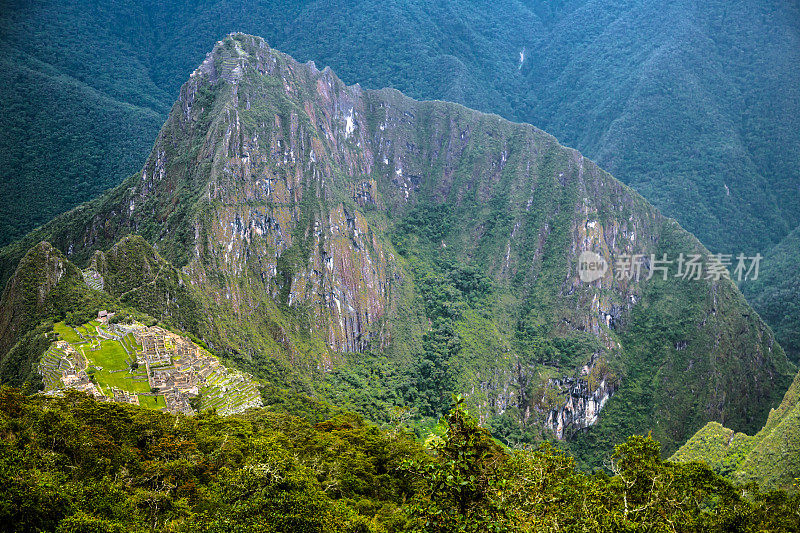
73,464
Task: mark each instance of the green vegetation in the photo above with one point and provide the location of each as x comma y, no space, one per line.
107,361
125,468
473,484
721,448
695,108
466,286
110,357
72,464
67,333
478,295
45,287
770,458
629,89
152,402
776,293
469,315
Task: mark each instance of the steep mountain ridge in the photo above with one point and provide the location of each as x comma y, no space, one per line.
695,105
44,281
307,220
771,457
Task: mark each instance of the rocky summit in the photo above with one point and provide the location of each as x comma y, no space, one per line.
375,250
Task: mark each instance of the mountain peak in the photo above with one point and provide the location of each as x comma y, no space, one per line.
312,219
229,56
237,52
39,274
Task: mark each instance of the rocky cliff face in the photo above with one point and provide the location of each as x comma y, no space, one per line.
281,200
273,179
585,396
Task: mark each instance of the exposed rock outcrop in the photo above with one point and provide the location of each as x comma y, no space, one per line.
581,408
272,203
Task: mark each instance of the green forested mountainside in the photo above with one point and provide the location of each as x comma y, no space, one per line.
65,140
384,253
71,464
776,293
770,458
694,104
46,285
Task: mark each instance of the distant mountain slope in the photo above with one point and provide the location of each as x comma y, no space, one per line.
776,292
693,104
771,457
63,142
324,235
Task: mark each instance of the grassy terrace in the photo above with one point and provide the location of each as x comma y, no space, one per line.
130,343
50,366
108,360
152,402
67,333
